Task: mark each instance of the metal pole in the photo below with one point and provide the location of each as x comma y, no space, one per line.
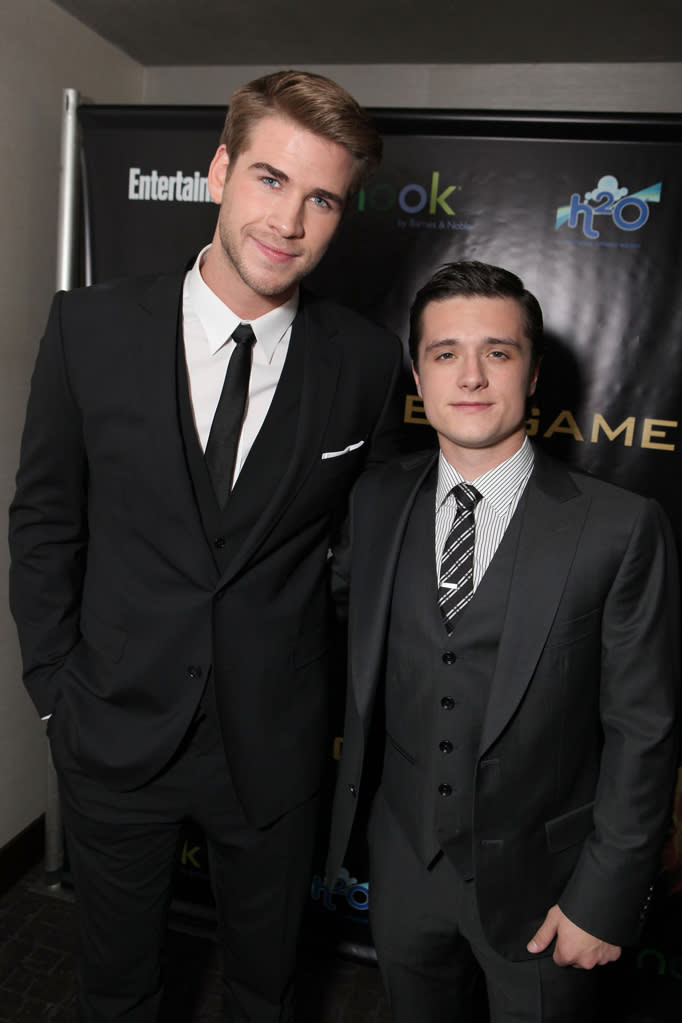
66,276
68,192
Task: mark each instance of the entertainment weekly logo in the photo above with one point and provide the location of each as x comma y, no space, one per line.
179,187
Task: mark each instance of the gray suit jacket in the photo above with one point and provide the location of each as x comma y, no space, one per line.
578,747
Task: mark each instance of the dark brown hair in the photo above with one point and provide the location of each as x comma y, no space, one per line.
472,279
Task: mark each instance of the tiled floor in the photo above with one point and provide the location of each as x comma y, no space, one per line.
37,942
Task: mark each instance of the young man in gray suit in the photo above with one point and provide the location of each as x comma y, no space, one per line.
169,542
514,634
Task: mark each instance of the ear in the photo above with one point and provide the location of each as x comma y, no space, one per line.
533,382
416,380
217,173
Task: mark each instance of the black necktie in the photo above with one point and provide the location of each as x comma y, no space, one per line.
221,449
456,587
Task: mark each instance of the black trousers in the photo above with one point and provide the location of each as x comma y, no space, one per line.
431,947
122,851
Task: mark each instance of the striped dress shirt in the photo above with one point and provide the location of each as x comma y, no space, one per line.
500,489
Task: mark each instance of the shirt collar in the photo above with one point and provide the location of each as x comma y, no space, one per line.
498,486
219,322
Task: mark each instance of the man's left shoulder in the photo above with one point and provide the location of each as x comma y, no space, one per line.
610,507
606,490
348,326
587,483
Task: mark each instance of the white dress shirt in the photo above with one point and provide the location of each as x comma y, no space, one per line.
500,489
207,325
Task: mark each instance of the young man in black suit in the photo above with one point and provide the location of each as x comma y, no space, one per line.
169,552
514,630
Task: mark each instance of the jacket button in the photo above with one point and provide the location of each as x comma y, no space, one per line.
219,543
445,789
447,703
352,790
194,671
449,657
445,746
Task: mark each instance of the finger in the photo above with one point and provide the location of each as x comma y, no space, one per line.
544,935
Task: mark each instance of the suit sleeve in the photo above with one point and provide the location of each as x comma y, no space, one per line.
384,445
48,521
610,885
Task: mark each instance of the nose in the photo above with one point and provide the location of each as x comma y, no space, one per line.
286,217
472,375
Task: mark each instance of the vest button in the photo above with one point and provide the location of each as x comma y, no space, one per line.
445,789
449,657
447,703
194,671
219,543
445,746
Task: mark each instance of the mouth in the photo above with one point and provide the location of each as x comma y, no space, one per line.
471,406
273,253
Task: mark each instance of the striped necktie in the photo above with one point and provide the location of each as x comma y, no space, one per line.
456,586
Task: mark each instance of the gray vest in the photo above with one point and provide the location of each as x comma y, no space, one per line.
437,689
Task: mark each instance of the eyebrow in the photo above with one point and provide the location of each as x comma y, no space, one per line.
489,342
274,172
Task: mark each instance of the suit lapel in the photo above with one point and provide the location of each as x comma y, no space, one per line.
156,331
553,519
376,542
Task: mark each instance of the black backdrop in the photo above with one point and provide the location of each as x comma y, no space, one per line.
586,209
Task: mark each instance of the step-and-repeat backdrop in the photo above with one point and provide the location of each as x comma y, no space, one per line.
588,211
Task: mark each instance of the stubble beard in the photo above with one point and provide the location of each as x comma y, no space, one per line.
258,283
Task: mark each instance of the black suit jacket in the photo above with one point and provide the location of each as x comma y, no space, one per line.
577,751
122,603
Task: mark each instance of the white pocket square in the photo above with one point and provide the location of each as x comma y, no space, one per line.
337,454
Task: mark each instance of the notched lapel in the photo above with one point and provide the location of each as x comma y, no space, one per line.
375,560
159,329
553,518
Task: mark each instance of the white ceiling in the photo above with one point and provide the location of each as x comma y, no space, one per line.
289,33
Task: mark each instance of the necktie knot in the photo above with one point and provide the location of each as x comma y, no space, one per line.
243,334
466,496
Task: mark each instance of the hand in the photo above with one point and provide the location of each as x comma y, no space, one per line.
574,946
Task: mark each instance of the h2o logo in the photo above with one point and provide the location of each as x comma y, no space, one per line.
628,211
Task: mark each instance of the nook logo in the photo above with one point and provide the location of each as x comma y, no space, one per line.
413,198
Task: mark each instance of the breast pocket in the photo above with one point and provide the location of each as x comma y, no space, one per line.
569,828
576,630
